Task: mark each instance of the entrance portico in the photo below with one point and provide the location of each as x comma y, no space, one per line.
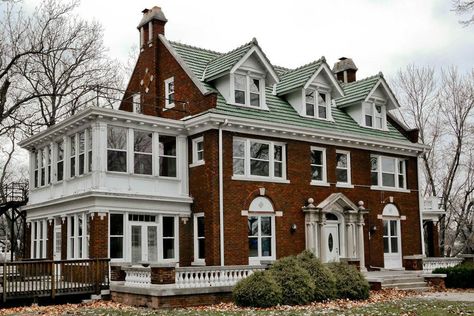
334,229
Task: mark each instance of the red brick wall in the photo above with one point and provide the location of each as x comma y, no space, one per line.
64,238
185,238
50,242
99,236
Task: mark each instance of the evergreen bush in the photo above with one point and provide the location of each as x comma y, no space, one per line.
350,283
323,279
257,290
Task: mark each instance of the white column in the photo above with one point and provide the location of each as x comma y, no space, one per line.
322,238
349,241
361,252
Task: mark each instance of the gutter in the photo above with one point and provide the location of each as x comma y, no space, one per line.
221,193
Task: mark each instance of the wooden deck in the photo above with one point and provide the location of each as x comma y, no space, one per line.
47,278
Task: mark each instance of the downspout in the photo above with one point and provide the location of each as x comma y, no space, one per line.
420,205
221,193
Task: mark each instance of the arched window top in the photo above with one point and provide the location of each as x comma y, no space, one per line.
331,217
390,210
261,204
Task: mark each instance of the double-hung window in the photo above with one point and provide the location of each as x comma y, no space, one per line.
388,172
60,161
167,153
169,92
82,139
72,155
89,150
38,239
117,149
343,167
43,153
199,238
116,236
198,151
136,103
368,115
256,159
318,165
169,237
143,154
36,168
248,90
374,115
78,236
48,160
317,104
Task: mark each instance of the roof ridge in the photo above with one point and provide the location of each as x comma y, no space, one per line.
306,65
379,75
196,47
233,50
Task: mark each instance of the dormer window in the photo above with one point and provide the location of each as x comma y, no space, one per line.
374,115
317,104
248,90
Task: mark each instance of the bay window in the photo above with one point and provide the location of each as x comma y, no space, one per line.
388,172
317,103
143,156
248,90
318,165
116,149
167,154
343,167
256,158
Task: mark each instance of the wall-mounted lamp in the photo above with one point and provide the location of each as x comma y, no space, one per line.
373,229
293,228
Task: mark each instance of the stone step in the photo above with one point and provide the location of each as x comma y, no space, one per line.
403,280
403,286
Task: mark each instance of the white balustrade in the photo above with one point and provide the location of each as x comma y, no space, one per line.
137,277
431,263
194,277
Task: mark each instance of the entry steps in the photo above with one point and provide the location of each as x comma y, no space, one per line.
405,282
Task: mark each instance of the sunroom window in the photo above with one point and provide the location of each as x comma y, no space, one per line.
60,161
317,103
167,153
116,149
143,157
247,90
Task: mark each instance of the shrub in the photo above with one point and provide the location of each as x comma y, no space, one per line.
257,290
323,279
350,283
295,282
460,276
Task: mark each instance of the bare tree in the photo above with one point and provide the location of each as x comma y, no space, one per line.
463,7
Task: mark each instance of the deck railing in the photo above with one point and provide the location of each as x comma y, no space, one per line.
194,277
39,278
431,263
138,276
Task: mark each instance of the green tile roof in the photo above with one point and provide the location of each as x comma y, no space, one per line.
298,77
357,91
226,61
280,111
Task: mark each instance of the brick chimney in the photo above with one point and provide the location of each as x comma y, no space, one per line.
345,70
152,23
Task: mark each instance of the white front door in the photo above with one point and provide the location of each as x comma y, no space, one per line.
392,244
332,242
144,242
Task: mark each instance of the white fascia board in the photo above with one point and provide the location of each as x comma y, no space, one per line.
329,73
183,65
256,49
211,121
95,113
387,89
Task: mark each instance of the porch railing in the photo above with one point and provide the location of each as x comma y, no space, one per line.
38,278
194,277
137,276
432,263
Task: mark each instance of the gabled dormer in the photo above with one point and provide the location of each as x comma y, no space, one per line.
368,101
242,75
311,89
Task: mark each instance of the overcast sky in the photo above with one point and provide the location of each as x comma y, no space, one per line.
380,35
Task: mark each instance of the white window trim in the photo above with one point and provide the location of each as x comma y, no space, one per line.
373,114
324,181
75,239
197,260
347,184
257,260
396,188
36,238
195,161
124,232
318,90
167,93
249,75
271,178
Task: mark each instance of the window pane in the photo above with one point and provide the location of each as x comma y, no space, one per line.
200,226
238,148
142,141
255,92
309,109
168,226
136,243
373,163
168,248
143,164
81,142
316,157
278,150
239,97
368,120
117,161
167,146
255,85
385,245
266,247
341,161
317,173
388,164
259,168
201,248
393,228
116,247
116,137
252,226
401,181
385,228
310,96
152,243
259,150
278,169
72,141
322,112
266,224
254,99
81,164
374,178
253,247
341,175
394,244
240,82
60,171
60,152
238,166
167,167
388,179
116,224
